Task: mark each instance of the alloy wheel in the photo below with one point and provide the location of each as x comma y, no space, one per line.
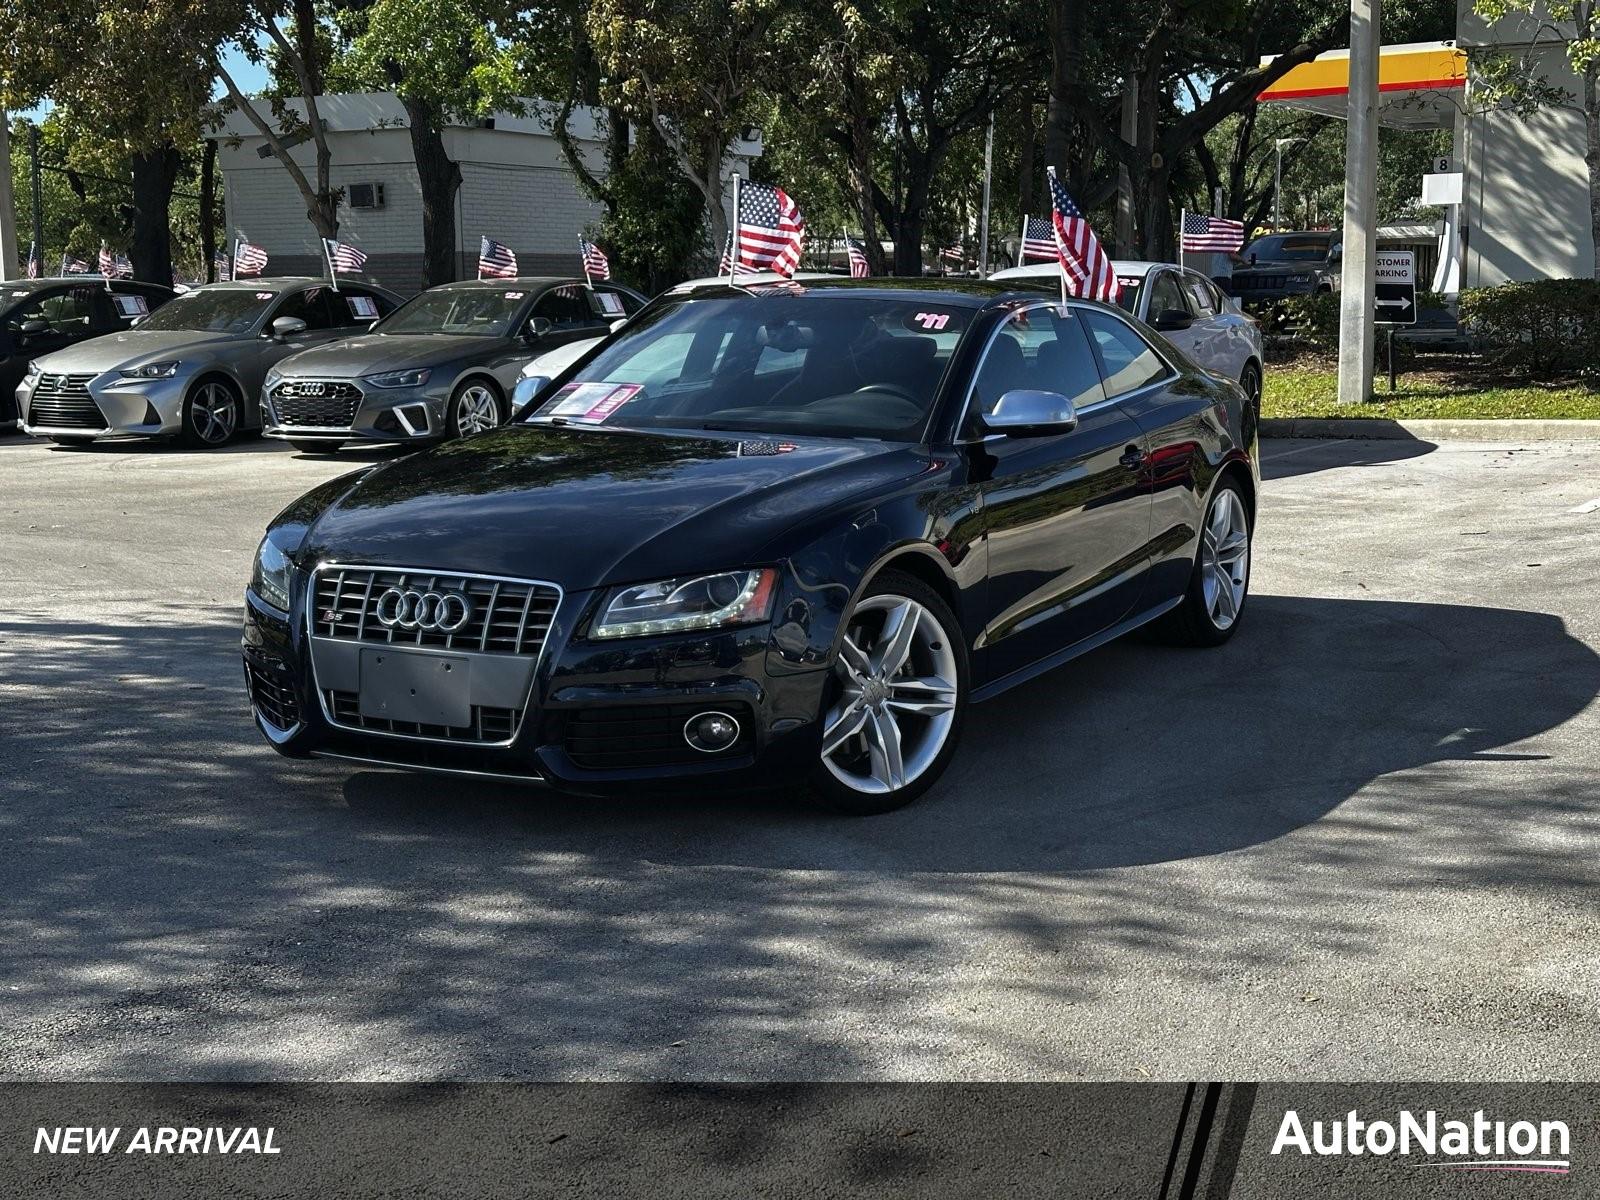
477,409
898,689
213,414
1225,558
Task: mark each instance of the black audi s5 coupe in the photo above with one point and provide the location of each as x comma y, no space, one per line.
762,536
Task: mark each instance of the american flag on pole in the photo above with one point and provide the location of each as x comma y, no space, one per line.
595,263
221,265
248,259
772,231
346,260
860,268
33,260
73,266
108,265
727,264
1038,239
1085,266
1202,233
496,260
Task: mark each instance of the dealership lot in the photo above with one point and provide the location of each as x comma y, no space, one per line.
1360,841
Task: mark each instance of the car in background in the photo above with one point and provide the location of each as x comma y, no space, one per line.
1280,265
764,536
193,367
1187,309
443,365
41,316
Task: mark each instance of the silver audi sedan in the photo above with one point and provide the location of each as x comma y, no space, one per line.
194,367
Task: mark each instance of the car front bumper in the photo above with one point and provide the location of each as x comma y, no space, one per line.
599,717
347,410
102,405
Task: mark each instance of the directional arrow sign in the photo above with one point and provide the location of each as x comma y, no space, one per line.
1396,288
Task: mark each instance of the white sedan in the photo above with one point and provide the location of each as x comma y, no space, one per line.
1187,309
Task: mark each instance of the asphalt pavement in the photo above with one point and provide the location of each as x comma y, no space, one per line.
1362,841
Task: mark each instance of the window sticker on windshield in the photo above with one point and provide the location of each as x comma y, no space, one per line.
927,320
1130,281
19,293
263,295
131,306
610,303
515,295
363,307
590,401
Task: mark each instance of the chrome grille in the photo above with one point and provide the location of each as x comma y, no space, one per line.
488,724
509,616
63,401
316,404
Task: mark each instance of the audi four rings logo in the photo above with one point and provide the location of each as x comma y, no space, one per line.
307,389
435,612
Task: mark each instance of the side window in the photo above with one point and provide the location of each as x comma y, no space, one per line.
358,307
1038,348
1130,361
311,306
123,306
1202,297
616,303
566,307
65,311
1164,294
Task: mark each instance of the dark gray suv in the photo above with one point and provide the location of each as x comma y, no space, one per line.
1281,265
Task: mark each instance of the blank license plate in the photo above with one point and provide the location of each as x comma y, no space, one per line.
429,689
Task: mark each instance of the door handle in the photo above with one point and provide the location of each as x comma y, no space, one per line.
1132,457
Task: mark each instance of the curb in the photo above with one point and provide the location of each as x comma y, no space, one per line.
1387,428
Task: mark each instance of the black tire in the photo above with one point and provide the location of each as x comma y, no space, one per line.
72,443
310,447
826,790
1195,621
477,386
213,411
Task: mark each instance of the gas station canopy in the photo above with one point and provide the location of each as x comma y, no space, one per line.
1420,85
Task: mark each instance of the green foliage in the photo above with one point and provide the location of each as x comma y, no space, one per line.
652,232
1457,396
1548,325
1315,319
444,53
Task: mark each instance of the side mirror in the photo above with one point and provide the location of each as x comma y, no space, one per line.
537,327
286,327
526,393
1170,319
34,328
1025,412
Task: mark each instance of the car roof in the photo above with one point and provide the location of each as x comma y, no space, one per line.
268,283
57,280
750,277
525,282
970,293
1128,267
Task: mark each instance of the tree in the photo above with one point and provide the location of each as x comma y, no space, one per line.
68,51
695,70
447,62
1516,81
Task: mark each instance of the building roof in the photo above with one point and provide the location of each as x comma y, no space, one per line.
1419,85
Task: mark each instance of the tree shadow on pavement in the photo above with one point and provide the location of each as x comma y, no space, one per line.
1284,459
184,905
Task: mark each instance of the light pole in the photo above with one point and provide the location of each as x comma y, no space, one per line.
1277,176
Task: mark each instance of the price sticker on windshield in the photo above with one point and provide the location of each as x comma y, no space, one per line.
263,295
363,308
591,402
131,305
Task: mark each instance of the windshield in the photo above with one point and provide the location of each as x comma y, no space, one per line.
827,366
227,310
482,312
1288,247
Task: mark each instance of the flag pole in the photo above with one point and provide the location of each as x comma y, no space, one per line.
1183,214
327,257
733,243
483,247
1055,235
583,256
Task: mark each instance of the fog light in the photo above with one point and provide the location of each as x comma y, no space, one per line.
711,732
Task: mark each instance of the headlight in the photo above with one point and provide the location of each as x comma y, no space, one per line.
158,370
273,375
692,602
393,379
273,574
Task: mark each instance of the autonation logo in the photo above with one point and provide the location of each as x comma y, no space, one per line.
1476,1145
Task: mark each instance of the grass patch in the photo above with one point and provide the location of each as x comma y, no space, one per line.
1291,392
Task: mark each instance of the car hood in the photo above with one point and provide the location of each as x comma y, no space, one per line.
1278,267
583,508
369,353
133,345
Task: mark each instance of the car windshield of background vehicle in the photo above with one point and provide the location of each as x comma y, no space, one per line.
228,310
477,312
1128,289
1283,248
822,366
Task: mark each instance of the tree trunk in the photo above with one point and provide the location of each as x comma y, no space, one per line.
1027,148
1591,157
154,173
439,177
861,190
1064,59
208,212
